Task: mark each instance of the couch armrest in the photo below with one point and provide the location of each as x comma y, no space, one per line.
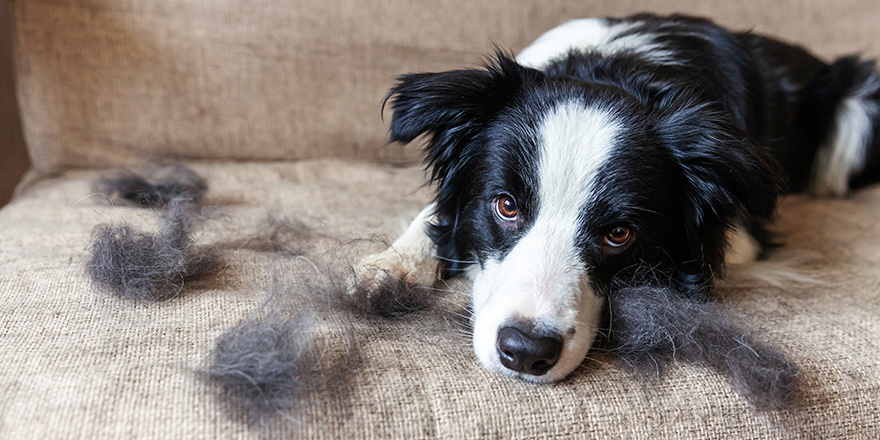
13,155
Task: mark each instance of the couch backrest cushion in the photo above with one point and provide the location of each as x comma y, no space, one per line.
104,82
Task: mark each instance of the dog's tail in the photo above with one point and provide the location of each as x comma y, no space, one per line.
849,155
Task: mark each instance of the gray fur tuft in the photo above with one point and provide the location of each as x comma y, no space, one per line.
392,297
262,365
165,183
650,325
141,266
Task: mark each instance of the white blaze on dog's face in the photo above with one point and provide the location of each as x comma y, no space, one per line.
541,286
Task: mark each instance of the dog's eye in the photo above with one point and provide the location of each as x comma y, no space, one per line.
505,208
618,236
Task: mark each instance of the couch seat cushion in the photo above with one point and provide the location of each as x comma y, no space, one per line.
80,363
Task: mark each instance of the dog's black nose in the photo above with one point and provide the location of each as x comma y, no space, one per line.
522,350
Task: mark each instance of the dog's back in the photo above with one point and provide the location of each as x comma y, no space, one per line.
817,119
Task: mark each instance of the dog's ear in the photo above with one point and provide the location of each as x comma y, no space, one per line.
453,107
728,181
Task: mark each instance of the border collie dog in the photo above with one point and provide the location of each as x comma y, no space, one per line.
647,150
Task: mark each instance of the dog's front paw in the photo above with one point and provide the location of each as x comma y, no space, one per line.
391,283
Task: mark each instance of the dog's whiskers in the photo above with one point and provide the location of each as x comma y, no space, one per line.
457,261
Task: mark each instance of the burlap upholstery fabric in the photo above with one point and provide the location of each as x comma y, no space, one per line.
77,363
107,81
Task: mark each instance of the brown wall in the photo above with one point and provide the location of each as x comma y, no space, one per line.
13,156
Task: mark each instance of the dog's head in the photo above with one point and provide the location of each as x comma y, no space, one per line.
560,188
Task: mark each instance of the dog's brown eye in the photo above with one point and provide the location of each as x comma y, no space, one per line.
505,208
618,236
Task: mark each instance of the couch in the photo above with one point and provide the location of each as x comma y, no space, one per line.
277,104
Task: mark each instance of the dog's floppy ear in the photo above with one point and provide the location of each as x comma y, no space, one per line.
728,181
452,108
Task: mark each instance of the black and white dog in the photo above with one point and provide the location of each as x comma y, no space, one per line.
611,149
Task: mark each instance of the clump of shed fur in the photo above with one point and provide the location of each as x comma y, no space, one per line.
650,325
159,186
150,267
268,364
390,297
263,364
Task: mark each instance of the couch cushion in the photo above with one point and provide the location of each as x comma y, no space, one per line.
108,81
78,363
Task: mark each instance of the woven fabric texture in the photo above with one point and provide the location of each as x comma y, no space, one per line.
104,82
78,363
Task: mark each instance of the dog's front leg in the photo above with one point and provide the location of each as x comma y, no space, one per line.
412,258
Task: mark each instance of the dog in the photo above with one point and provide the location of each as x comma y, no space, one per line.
612,151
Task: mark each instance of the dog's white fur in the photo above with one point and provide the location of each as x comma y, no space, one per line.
844,153
595,34
742,247
412,257
543,279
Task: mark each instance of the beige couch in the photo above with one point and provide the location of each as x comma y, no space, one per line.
277,104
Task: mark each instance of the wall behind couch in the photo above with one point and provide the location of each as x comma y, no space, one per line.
13,157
